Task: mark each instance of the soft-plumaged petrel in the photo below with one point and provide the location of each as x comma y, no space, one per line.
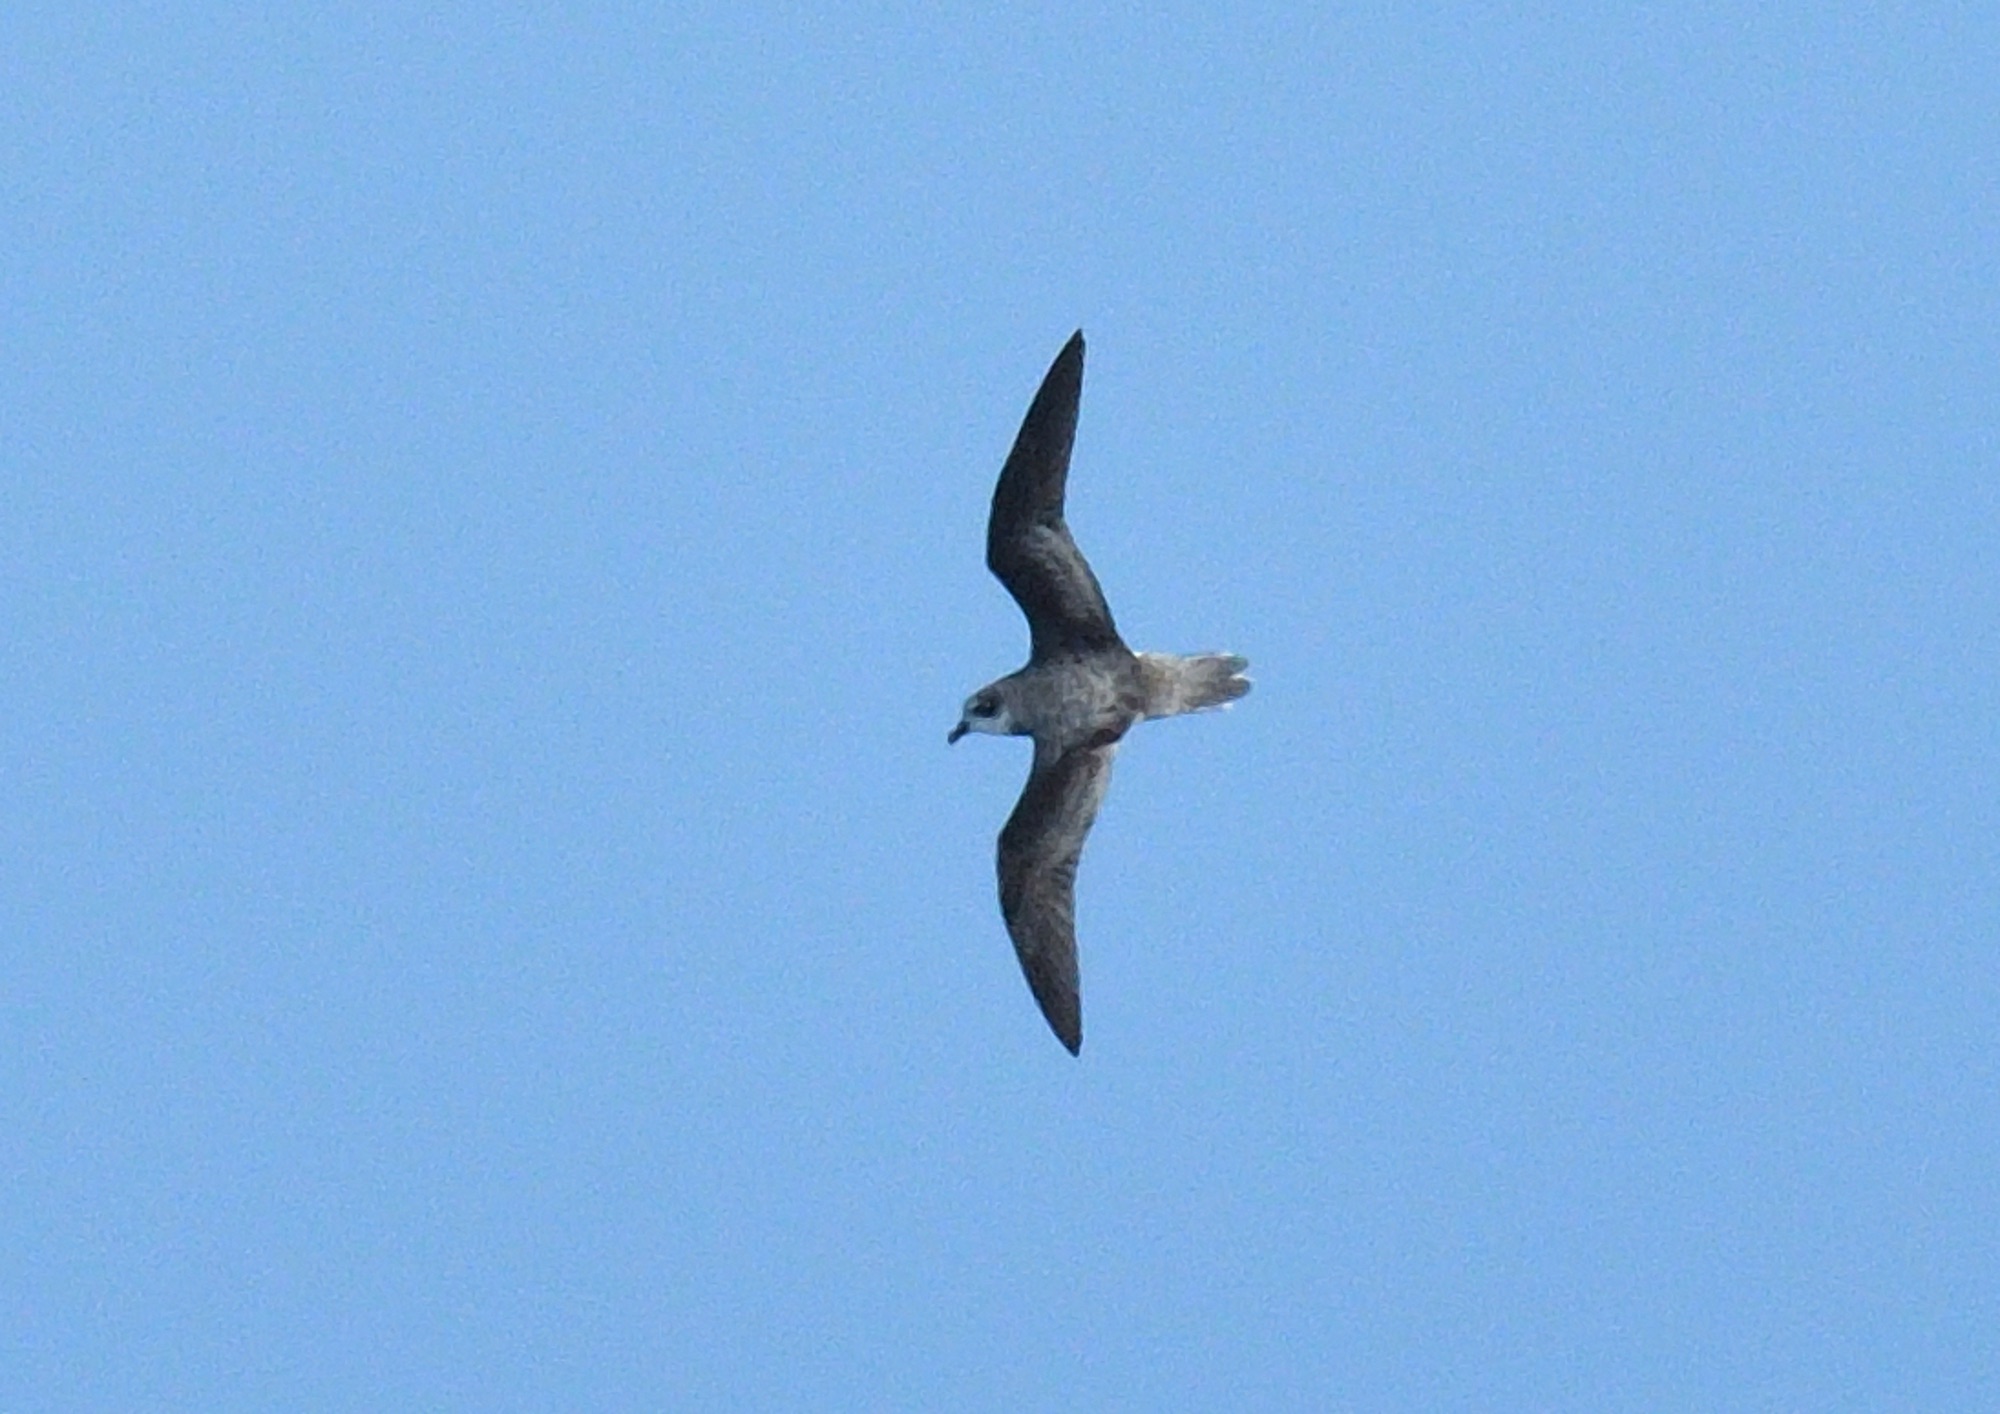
1080,693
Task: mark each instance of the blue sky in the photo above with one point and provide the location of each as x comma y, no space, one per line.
491,549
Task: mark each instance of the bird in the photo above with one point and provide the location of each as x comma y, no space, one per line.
1082,690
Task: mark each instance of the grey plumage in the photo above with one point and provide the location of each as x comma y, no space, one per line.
1080,692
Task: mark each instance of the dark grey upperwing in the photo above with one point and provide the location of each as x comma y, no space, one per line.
1039,849
1028,547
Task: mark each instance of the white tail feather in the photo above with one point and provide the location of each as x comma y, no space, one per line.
1175,684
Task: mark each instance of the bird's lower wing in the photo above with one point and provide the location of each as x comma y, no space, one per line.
1039,849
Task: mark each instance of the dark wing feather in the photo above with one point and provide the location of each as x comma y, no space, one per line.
1028,547
1039,849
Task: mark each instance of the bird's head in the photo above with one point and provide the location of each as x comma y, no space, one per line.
985,711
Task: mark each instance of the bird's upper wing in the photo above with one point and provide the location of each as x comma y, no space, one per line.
1028,547
1039,849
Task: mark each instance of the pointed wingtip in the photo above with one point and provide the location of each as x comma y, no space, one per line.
1064,1015
1056,996
1050,967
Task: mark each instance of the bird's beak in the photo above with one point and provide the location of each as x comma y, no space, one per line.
956,732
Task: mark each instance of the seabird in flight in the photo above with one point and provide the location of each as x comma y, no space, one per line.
1081,692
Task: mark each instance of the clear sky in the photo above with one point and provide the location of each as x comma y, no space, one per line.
491,547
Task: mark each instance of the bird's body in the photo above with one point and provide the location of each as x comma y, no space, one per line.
1075,700
1080,692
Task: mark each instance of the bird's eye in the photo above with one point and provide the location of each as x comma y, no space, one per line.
984,706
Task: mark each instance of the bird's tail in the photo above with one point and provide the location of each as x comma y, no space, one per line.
1175,684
